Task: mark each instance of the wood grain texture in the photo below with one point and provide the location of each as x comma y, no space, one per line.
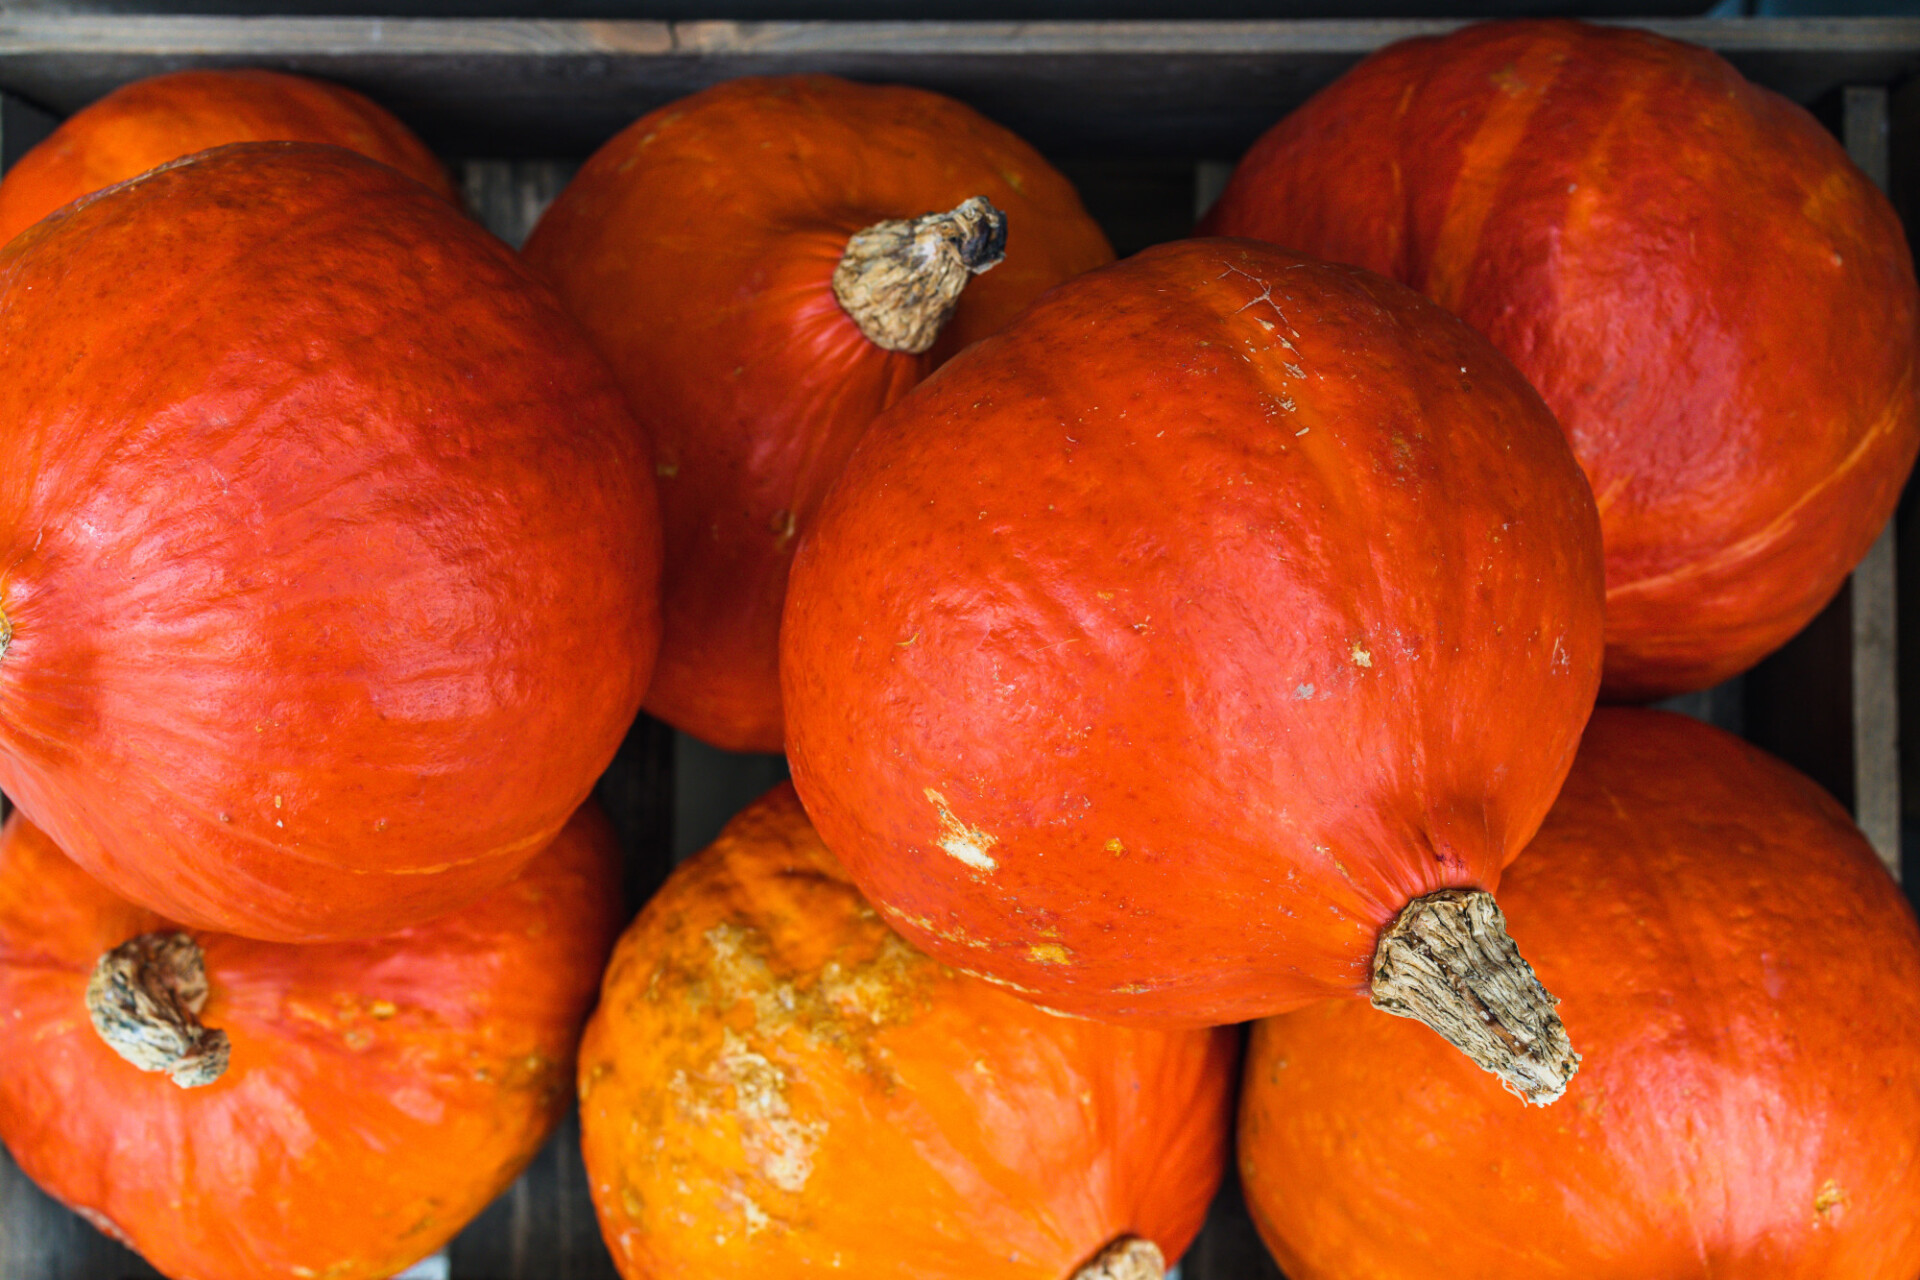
532,87
1874,589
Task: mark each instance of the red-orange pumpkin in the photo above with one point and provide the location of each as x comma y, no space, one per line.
149,122
1745,982
777,1086
376,1095
1716,303
700,247
1156,653
330,548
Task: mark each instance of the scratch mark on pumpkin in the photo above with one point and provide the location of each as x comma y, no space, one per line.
967,844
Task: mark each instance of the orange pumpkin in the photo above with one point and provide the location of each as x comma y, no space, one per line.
776,1085
145,124
366,1098
331,550
1160,652
718,251
1745,982
1718,306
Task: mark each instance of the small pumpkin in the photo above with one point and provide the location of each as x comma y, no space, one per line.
1717,305
1226,615
145,124
776,1085
1745,982
331,549
334,1110
754,262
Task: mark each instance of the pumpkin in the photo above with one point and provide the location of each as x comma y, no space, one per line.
335,1110
331,550
777,1085
1717,305
754,262
145,124
1745,981
1162,654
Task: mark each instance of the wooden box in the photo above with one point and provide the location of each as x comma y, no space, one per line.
1147,118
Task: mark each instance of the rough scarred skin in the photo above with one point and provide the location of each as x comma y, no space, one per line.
1156,652
1718,306
380,1093
698,248
775,1085
330,550
1744,980
149,122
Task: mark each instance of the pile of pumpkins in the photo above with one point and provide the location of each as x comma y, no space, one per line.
1158,645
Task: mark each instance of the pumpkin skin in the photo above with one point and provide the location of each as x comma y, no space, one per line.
145,124
707,282
313,631
776,1085
1153,680
1717,305
379,1094
1745,982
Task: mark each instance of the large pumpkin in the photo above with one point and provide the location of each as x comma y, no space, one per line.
1159,653
1745,982
331,551
1719,307
776,1085
341,1109
719,251
149,122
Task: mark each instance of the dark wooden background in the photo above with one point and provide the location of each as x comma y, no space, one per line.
1144,117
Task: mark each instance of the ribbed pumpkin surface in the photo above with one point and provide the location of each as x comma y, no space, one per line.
1717,305
1744,981
776,1085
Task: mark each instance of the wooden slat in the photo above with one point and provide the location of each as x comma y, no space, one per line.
510,195
554,88
1872,592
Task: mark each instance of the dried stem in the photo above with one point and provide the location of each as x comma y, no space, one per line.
145,998
900,280
1126,1258
1447,961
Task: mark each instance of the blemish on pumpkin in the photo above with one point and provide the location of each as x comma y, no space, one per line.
1361,657
901,644
1303,691
1832,1195
782,527
967,844
779,1145
1115,848
666,469
382,1009
276,802
1049,953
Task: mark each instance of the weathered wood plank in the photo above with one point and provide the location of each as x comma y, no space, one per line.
1872,592
509,196
552,88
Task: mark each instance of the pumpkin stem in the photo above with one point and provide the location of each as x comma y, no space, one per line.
145,997
900,280
1447,961
1127,1258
